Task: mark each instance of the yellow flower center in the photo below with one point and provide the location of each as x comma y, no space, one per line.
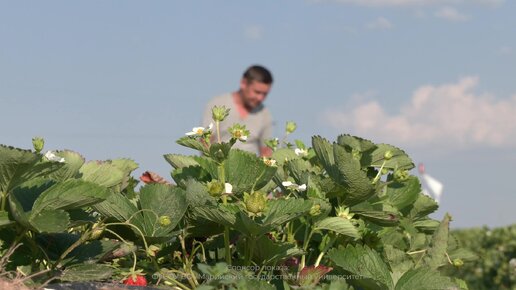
199,131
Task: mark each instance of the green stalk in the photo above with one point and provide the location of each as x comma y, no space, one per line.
306,241
217,126
4,201
222,178
326,248
84,237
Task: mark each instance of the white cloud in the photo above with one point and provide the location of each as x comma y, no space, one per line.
445,115
380,23
253,32
376,3
451,14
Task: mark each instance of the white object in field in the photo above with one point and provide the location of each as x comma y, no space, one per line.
432,187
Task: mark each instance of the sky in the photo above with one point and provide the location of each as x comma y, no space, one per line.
112,79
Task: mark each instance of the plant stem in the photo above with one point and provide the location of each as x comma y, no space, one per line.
222,178
82,239
326,248
4,201
306,241
217,126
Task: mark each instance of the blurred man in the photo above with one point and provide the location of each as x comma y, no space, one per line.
246,108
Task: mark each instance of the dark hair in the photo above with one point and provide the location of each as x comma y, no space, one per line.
258,73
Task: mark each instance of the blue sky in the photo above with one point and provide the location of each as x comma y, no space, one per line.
115,79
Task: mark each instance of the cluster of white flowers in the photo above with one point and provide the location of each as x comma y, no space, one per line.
301,152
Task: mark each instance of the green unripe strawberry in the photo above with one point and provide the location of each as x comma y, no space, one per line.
215,188
164,220
401,175
255,202
458,263
38,143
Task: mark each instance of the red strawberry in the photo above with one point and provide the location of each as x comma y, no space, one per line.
136,280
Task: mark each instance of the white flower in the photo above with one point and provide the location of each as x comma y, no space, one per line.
287,183
228,188
301,152
294,186
50,156
199,131
243,138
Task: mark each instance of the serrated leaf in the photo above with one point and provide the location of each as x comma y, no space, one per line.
281,211
120,208
398,261
70,194
283,154
158,200
403,194
338,225
102,173
198,194
180,161
399,160
324,152
87,272
18,166
436,254
50,221
362,261
246,172
71,166
423,206
269,252
219,215
423,279
192,143
358,186
355,142
382,218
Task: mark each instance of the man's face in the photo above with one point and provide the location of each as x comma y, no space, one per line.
253,93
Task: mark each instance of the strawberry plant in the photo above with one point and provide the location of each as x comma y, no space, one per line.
345,214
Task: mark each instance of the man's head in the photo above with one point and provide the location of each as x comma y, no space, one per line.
254,86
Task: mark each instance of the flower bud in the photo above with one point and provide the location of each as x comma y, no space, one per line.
164,220
401,175
290,127
152,250
315,210
219,113
215,188
38,143
458,262
388,155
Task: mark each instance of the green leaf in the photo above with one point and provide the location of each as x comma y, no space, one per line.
284,154
268,252
382,218
403,194
354,142
324,152
158,200
423,279
102,173
362,261
351,176
281,211
70,194
338,225
246,172
399,262
399,160
50,221
436,254
18,166
180,161
220,215
120,208
87,272
192,143
198,194
423,206
70,169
